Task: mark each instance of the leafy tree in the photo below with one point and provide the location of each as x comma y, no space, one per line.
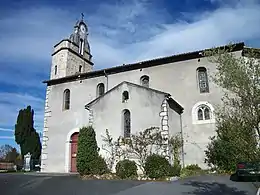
8,153
25,134
4,150
238,119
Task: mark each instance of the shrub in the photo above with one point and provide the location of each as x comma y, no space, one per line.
192,170
193,167
87,151
175,170
157,166
99,166
126,169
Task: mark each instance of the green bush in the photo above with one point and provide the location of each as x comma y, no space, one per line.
175,170
157,166
99,166
126,169
88,160
193,167
187,172
192,170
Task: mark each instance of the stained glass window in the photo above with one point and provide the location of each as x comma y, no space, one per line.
127,123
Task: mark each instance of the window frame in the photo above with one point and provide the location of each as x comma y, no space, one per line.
66,99
145,77
125,96
199,71
197,107
98,89
126,127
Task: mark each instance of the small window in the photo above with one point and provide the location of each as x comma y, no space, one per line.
203,80
80,68
127,123
125,96
55,69
81,46
66,99
204,113
144,81
100,89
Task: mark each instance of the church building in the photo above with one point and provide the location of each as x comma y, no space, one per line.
174,93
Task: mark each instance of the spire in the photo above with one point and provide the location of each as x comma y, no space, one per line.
82,16
79,36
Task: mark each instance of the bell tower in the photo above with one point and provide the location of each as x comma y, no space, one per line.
72,56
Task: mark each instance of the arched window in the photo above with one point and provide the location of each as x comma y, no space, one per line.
204,113
100,89
144,80
203,80
125,96
66,99
127,123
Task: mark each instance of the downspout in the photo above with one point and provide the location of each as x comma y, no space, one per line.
182,147
107,80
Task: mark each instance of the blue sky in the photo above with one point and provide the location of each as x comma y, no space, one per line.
121,31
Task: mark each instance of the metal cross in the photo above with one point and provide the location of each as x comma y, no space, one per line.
82,16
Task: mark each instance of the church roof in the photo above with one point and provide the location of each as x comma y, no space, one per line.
143,64
173,104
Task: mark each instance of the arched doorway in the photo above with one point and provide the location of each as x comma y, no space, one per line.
73,152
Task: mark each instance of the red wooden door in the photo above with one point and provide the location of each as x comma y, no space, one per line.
74,148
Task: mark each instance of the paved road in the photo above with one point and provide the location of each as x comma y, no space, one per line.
20,184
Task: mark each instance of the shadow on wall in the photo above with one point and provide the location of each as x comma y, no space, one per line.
213,188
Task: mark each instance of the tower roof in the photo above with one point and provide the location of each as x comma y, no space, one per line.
76,36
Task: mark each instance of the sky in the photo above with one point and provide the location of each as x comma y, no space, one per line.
120,32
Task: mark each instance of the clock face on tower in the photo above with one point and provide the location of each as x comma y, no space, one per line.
82,28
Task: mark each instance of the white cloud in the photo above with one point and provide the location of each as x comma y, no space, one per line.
115,30
121,33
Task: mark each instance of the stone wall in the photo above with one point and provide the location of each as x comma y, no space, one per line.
73,63
165,127
47,115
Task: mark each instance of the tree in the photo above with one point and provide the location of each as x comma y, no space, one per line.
4,150
138,146
34,143
115,152
25,134
88,159
12,156
8,153
238,118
